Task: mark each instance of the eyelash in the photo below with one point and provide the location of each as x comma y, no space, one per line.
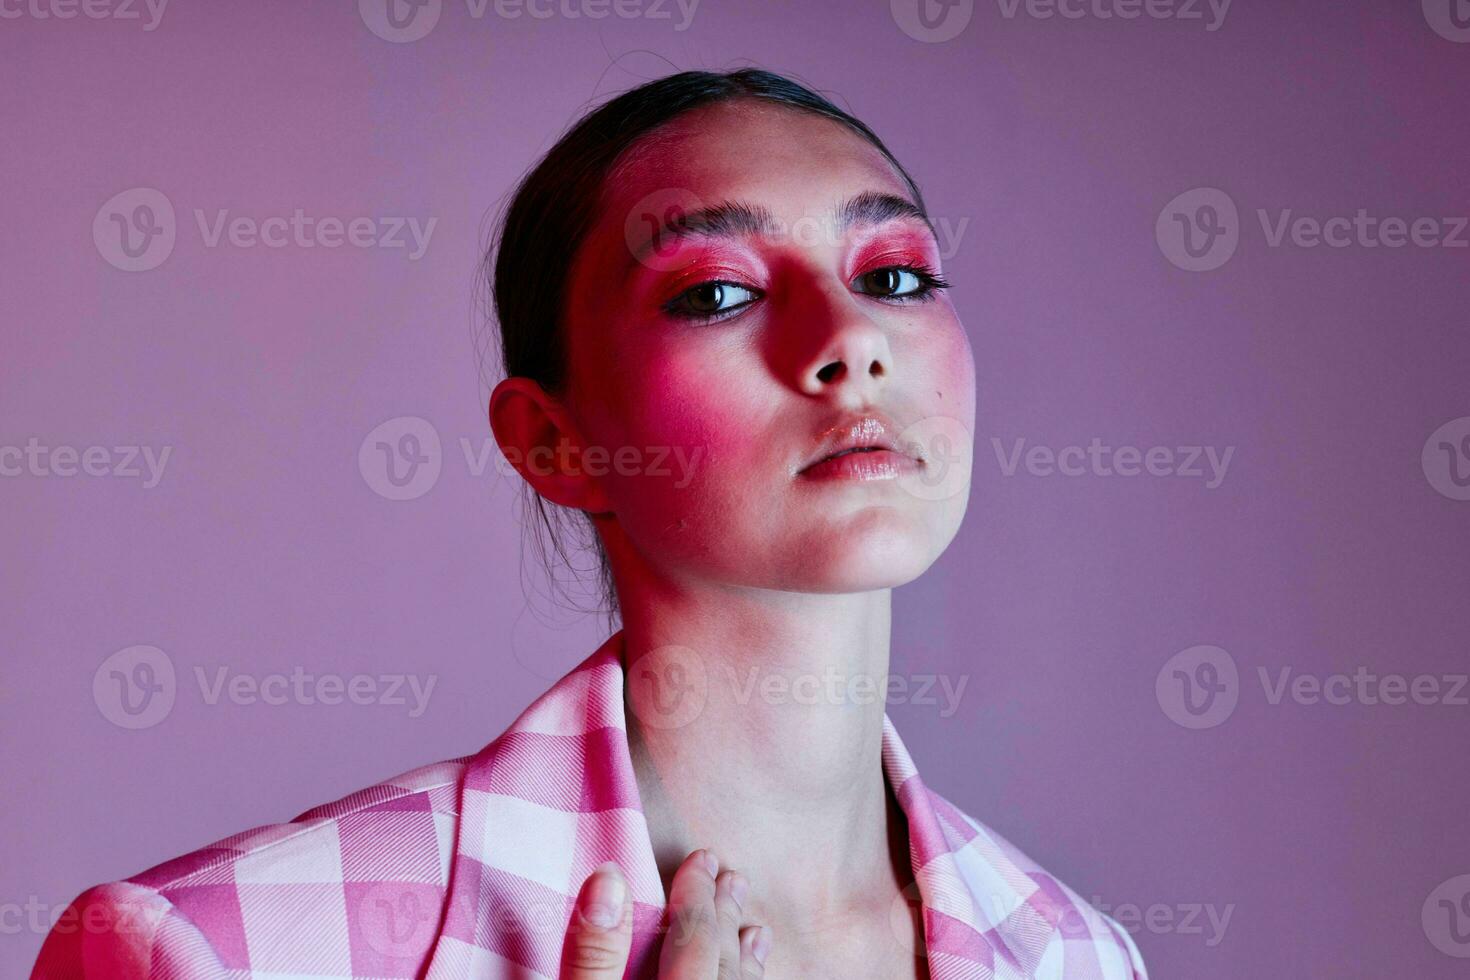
930,282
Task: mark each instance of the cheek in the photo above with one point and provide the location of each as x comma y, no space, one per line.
683,398
700,411
947,363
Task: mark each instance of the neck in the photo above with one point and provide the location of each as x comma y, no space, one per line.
767,747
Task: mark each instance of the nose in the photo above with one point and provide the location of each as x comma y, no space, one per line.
850,357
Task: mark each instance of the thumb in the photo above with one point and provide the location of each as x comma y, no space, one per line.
600,933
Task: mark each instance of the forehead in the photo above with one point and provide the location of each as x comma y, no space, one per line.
792,162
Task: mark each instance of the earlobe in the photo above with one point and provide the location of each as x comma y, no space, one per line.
537,437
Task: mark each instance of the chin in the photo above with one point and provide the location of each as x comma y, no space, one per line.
880,554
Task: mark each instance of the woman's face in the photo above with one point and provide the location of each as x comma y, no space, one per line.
722,353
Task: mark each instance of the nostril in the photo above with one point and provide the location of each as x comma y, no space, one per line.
831,372
876,370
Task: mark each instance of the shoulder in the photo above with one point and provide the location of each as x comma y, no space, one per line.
1049,927
255,901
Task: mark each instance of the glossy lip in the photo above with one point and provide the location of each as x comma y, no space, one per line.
861,447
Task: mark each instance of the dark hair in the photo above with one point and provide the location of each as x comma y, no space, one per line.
553,208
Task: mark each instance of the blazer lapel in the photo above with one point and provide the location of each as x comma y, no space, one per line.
555,796
540,807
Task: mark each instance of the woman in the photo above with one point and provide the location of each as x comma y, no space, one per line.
727,347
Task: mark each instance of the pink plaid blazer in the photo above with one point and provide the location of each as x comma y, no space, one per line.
470,868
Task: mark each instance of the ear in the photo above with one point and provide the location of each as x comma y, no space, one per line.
537,436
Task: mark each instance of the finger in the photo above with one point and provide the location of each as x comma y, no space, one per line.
755,946
600,933
731,891
691,949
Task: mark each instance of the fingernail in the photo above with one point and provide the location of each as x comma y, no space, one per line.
710,862
739,888
761,947
604,898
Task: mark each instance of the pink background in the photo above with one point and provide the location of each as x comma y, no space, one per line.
1057,143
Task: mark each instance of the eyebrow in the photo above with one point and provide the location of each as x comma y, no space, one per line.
734,220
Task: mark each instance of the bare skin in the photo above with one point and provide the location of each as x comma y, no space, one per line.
709,934
759,574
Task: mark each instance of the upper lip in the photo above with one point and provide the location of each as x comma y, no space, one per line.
866,431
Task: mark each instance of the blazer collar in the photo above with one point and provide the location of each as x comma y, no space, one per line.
568,752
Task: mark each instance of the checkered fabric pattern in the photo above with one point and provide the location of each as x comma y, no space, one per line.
470,868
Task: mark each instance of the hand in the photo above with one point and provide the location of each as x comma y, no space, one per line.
708,936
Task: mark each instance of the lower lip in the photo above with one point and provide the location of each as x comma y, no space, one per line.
878,464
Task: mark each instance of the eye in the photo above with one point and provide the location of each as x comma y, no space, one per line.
711,300
899,282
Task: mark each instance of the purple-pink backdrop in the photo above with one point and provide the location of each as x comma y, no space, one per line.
1122,197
